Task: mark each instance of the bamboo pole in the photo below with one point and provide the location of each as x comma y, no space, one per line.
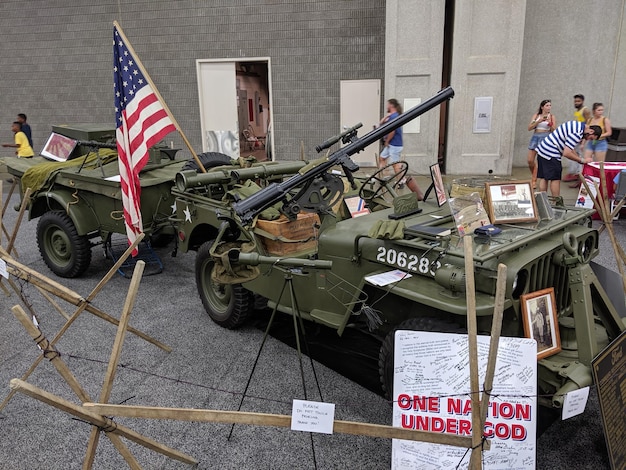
54,357
158,95
472,331
496,328
268,419
18,222
107,386
106,424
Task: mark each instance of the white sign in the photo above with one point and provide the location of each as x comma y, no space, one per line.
432,393
312,416
575,402
3,269
482,114
412,127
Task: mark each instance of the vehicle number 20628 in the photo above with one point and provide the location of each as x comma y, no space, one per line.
411,263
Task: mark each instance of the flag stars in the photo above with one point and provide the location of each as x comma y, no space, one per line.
125,68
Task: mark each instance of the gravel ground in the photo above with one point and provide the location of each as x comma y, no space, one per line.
208,368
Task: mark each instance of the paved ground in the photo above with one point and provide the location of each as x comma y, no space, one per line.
208,368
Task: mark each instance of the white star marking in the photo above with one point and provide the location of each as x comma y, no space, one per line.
187,213
173,206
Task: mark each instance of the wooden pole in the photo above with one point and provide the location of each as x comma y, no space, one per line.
107,386
37,279
267,419
496,328
20,216
49,352
158,95
472,331
53,302
106,424
4,208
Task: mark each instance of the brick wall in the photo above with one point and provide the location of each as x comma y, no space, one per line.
56,58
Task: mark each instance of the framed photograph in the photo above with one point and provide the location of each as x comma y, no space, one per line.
440,189
540,321
58,147
511,202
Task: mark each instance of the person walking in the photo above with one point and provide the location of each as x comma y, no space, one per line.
393,145
595,150
561,143
21,117
543,122
24,150
581,114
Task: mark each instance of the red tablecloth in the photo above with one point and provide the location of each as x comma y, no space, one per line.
611,170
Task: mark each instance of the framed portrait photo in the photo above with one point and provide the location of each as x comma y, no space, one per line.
540,321
440,189
511,202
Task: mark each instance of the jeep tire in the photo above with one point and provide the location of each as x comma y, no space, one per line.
64,251
228,305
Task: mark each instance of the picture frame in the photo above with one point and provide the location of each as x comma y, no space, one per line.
59,147
440,189
511,202
540,321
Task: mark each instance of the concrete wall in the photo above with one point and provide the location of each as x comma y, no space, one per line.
56,58
571,47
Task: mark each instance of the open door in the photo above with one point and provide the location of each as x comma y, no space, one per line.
235,111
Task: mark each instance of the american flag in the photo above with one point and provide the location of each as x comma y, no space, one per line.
141,122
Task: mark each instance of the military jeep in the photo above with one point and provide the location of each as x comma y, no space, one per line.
332,258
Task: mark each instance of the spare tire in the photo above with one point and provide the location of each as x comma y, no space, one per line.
209,160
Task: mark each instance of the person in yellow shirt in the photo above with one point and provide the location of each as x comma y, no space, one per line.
24,150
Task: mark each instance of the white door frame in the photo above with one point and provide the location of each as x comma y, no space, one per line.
233,60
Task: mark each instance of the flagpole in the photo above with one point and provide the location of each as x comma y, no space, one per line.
158,95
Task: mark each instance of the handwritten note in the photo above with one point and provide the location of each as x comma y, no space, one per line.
312,416
575,402
432,393
3,269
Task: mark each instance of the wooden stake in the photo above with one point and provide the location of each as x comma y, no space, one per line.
53,355
4,208
107,386
20,216
106,424
496,328
472,331
267,419
158,95
53,302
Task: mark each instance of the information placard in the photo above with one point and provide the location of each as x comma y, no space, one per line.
609,373
432,393
312,416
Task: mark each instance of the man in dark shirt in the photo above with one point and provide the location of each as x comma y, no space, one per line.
21,118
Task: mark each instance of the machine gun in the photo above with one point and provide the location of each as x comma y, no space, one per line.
316,182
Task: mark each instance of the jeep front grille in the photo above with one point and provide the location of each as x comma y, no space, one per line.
544,273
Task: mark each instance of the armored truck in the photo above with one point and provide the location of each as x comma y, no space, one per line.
334,261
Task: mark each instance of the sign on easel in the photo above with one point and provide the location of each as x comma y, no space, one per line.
432,393
609,374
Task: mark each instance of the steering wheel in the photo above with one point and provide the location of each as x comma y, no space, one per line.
385,185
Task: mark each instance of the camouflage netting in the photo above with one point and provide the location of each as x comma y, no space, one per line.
226,273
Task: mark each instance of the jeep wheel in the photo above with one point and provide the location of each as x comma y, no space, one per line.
66,253
385,355
228,305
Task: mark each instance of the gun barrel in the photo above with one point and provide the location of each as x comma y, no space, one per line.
250,207
225,174
254,259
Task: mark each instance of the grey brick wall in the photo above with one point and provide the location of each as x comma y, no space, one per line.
56,58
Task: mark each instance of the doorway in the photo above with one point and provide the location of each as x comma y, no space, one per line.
235,107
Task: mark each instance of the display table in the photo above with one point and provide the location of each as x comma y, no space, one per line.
611,170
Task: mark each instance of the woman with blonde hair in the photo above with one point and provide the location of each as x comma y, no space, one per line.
596,149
